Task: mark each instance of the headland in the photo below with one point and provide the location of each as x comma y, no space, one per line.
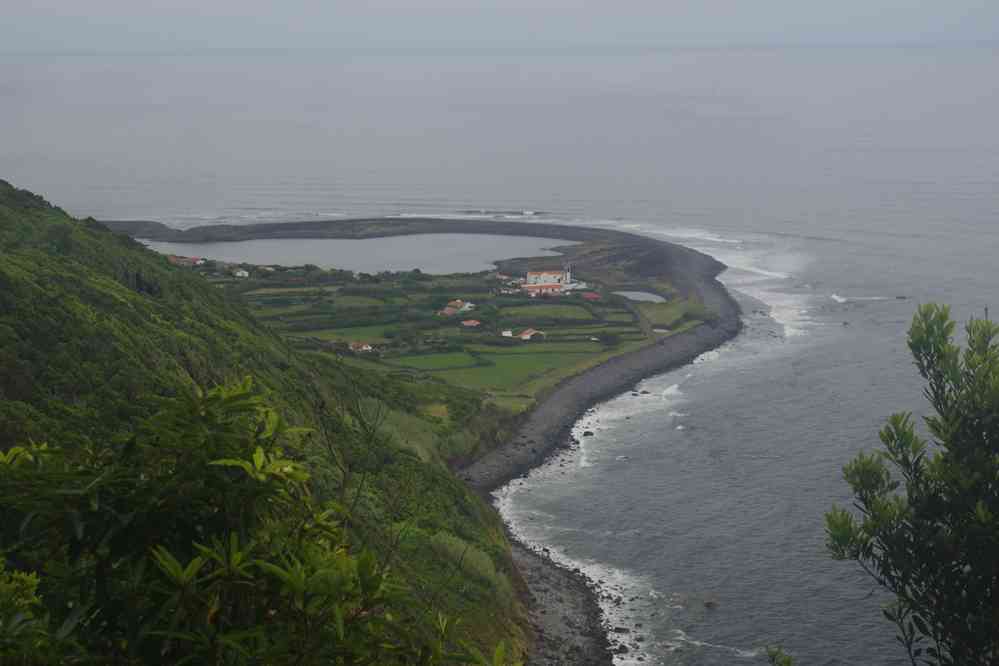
563,606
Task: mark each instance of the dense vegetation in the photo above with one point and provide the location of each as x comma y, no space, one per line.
160,507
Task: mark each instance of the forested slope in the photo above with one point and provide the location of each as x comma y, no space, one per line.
132,373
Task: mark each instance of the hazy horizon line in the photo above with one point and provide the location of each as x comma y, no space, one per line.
526,48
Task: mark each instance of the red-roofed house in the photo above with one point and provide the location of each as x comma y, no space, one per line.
530,334
471,323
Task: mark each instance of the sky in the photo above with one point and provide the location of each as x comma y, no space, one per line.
156,25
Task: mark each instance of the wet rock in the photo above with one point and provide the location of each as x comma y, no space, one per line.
588,433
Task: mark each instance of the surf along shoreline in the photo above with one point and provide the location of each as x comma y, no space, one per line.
563,604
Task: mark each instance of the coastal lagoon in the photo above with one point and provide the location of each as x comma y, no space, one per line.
431,253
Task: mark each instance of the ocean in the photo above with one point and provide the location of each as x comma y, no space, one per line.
842,187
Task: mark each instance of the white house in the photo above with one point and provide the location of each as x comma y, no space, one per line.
550,277
507,334
240,273
539,283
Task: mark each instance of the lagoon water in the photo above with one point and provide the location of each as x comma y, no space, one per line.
841,186
431,253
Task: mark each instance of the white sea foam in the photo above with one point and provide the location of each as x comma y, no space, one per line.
672,391
625,599
681,638
708,356
849,299
789,310
696,234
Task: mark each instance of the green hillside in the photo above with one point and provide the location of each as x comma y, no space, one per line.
132,373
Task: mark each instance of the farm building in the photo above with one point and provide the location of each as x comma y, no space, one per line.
549,277
530,334
471,323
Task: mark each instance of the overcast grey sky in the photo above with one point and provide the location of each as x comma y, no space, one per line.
129,25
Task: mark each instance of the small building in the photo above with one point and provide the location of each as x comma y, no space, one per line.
448,312
241,273
530,334
549,277
591,296
457,304
507,334
360,347
471,323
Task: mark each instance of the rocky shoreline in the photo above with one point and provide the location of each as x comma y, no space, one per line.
563,604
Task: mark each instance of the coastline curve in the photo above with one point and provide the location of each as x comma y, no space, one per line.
564,611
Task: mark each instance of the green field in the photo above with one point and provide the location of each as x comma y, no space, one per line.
509,371
560,311
512,376
369,334
301,291
596,329
279,310
352,301
581,347
435,361
663,315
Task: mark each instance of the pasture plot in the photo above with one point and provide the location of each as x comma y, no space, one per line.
302,291
369,334
663,315
596,329
263,310
549,347
535,385
509,371
546,311
432,362
355,301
